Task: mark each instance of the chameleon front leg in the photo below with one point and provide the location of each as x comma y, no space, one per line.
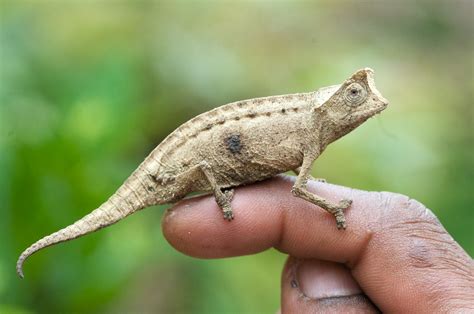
223,198
310,177
300,190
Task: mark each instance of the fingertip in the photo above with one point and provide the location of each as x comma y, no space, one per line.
189,226
197,227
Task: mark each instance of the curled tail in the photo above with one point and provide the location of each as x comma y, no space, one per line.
133,195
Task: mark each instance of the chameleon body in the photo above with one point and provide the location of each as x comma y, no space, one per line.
236,144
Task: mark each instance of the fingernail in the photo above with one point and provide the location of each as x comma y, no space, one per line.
318,280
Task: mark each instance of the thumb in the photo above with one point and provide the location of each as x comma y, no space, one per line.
314,286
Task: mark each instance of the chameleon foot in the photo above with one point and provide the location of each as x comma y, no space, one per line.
228,215
223,200
340,220
339,214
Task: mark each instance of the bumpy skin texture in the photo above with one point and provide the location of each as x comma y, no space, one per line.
237,144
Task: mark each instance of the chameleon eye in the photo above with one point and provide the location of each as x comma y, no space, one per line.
355,94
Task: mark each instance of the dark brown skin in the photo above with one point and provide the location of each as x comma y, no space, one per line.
396,257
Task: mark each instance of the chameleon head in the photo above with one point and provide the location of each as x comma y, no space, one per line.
348,105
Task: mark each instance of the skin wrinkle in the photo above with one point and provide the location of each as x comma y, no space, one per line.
426,237
424,213
385,206
459,268
438,288
441,299
448,264
418,222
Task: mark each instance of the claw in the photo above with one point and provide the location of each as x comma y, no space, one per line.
228,215
341,224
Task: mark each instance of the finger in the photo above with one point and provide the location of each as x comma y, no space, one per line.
396,249
313,286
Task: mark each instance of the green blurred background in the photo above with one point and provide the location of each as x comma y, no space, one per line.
88,88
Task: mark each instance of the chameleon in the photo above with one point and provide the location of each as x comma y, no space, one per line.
238,144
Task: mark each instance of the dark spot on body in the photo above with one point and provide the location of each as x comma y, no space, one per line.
251,115
207,127
150,188
295,109
153,177
268,114
283,110
237,118
233,143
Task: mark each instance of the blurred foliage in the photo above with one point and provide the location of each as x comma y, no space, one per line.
88,88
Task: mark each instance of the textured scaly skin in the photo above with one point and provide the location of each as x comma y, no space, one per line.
233,145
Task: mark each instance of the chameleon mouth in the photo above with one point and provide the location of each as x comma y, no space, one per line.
379,109
383,104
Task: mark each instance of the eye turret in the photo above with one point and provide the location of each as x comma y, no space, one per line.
355,94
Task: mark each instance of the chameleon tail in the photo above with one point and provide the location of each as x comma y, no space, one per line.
129,198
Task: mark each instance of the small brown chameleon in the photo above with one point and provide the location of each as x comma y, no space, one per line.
236,144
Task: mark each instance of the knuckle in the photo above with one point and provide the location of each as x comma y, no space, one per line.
412,217
418,240
426,242
402,211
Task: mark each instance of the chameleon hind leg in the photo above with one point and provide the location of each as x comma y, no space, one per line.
187,178
223,197
300,190
178,186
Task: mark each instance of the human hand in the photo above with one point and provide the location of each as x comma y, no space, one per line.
394,256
